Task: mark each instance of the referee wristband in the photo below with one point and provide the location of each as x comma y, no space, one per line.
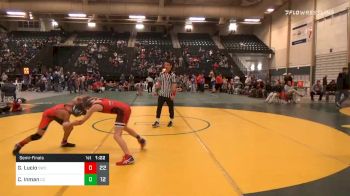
173,94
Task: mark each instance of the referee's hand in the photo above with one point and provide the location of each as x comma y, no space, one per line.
172,97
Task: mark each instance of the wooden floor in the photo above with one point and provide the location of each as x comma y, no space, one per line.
209,151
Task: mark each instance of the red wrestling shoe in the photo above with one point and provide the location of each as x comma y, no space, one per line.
127,160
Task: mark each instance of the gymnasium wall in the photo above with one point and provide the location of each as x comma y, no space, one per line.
263,31
279,37
301,35
328,4
332,42
330,37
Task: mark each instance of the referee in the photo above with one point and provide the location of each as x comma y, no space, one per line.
167,92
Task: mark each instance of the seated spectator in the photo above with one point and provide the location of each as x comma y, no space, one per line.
331,88
97,87
224,85
317,89
139,88
237,86
291,93
260,89
111,86
16,105
276,91
248,84
230,86
126,86
218,83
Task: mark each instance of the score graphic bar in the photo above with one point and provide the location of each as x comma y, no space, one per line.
62,169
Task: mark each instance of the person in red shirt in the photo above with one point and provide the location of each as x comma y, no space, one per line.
200,82
16,105
59,113
219,81
215,66
123,111
97,86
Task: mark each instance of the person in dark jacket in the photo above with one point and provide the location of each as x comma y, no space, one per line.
343,84
331,88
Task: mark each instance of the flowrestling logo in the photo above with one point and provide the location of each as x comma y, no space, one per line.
308,12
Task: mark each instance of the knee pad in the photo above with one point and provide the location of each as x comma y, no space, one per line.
35,137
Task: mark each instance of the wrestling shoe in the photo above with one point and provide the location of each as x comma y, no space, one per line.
155,124
67,145
127,160
170,124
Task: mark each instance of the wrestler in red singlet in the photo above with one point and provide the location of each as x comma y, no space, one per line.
123,112
59,113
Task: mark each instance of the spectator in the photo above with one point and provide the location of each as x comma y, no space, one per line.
288,77
276,92
317,89
237,85
139,88
150,81
324,83
200,82
331,89
291,93
193,84
122,78
218,82
343,84
4,77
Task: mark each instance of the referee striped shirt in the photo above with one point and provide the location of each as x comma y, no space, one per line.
166,80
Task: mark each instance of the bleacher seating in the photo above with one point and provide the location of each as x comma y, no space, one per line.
19,48
153,39
200,54
105,52
51,37
100,37
244,44
195,40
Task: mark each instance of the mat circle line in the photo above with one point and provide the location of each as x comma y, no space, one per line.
181,133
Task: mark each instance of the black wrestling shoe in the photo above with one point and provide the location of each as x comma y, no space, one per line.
67,145
155,124
170,124
16,149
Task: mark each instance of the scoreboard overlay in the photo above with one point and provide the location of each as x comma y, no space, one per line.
62,169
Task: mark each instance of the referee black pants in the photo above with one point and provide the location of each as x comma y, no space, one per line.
170,104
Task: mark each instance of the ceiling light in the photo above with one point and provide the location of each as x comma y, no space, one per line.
137,17
188,27
232,26
16,13
196,18
54,23
140,26
251,20
77,15
270,10
91,24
